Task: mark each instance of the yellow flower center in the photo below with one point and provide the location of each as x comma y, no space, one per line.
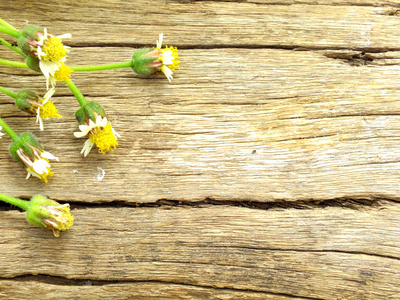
104,138
175,56
54,49
48,111
63,73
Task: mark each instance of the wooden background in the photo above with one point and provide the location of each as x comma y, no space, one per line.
268,169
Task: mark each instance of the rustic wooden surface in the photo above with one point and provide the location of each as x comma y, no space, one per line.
268,169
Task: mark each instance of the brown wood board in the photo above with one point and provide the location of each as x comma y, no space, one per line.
267,169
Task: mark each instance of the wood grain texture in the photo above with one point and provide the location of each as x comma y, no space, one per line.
317,254
16,290
218,23
295,124
278,105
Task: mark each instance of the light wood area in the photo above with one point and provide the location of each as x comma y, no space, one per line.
318,253
267,169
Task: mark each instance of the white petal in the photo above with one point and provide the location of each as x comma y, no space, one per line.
79,134
38,118
40,166
64,36
49,67
40,53
167,58
115,133
167,72
48,155
87,147
84,131
102,123
159,42
48,95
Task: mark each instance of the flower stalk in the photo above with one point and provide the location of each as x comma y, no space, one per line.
16,64
8,92
10,31
120,65
13,48
77,93
8,130
5,23
23,204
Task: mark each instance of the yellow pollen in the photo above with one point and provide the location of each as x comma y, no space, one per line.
174,54
66,220
63,73
48,111
104,138
54,49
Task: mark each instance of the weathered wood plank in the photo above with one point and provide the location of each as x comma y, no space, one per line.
319,253
238,123
211,23
294,124
19,289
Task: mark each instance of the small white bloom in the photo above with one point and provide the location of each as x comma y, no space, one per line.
1,132
85,129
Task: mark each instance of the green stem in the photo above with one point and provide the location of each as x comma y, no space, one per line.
10,31
11,63
4,23
8,130
13,48
15,201
8,92
126,64
120,65
82,101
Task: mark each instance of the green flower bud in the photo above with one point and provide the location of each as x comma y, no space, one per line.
47,213
33,64
27,150
30,32
89,112
28,101
28,143
141,61
28,40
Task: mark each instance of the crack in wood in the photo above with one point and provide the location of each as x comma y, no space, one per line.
347,203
